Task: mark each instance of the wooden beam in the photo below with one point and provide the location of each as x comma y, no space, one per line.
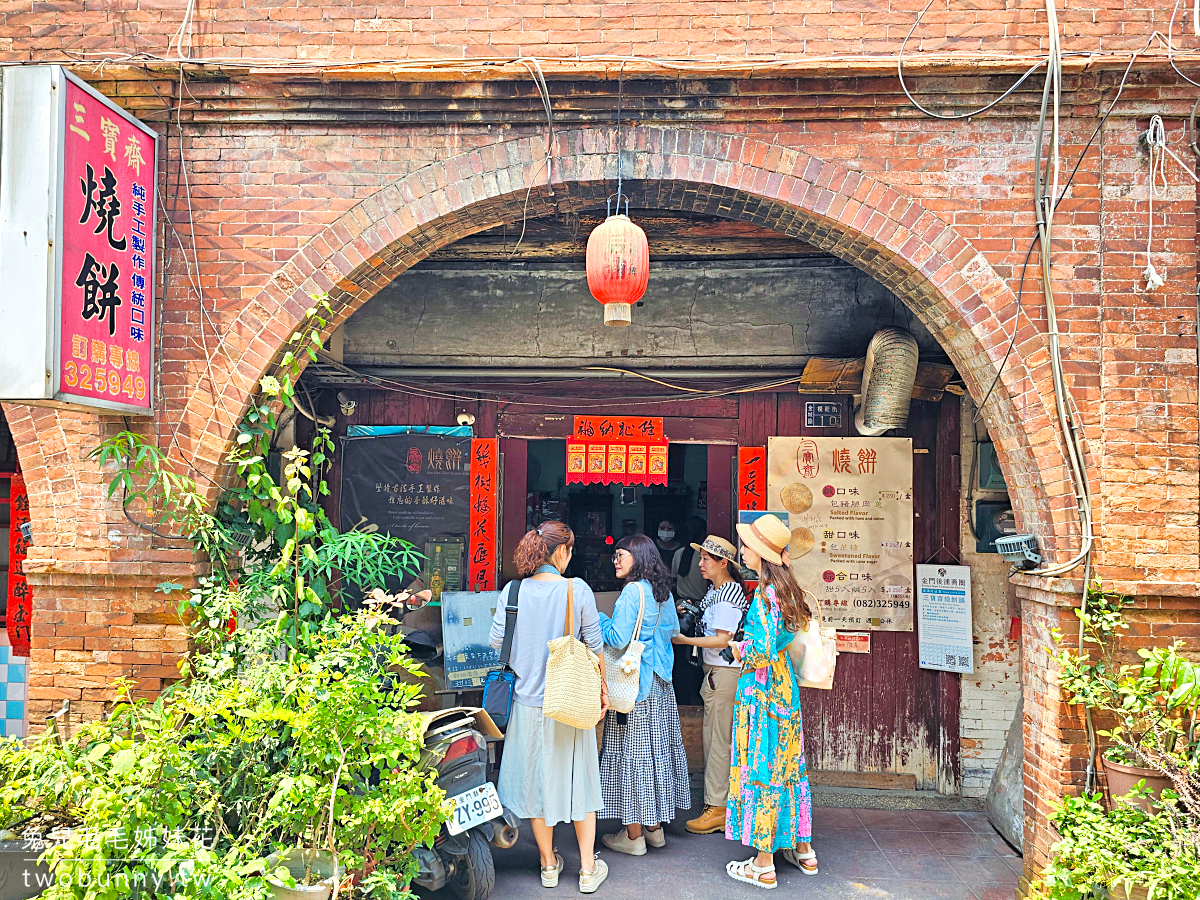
878,780
671,236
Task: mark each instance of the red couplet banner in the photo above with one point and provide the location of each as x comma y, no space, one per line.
19,609
107,315
485,500
752,478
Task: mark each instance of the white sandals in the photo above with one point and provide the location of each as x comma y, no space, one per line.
799,859
749,873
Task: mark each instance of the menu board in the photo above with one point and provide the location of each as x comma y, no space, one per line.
850,508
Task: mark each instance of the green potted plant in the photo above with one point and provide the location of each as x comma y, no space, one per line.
1144,844
1091,676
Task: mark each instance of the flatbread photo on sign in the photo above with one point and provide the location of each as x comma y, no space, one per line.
796,498
802,542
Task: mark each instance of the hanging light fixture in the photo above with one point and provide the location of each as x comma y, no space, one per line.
618,255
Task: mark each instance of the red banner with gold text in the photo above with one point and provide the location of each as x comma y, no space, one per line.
485,501
752,478
19,609
617,449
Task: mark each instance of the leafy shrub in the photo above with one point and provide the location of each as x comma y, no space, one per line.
284,732
1153,710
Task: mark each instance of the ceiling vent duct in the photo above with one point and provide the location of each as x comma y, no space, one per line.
889,373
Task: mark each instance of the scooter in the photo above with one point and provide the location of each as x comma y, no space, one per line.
461,856
461,744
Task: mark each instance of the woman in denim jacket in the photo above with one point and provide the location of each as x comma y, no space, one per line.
643,768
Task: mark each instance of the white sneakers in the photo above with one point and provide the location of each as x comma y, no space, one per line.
589,881
550,873
623,843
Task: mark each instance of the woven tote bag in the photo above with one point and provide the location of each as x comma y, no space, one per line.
572,677
623,668
814,652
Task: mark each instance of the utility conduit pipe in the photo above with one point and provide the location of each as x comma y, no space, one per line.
889,374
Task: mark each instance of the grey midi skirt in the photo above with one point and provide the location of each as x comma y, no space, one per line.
549,770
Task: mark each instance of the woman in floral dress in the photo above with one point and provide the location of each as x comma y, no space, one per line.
770,805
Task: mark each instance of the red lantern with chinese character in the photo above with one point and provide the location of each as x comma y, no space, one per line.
618,267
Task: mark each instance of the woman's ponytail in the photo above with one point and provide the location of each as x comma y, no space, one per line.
536,548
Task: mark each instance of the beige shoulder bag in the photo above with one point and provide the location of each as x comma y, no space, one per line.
572,677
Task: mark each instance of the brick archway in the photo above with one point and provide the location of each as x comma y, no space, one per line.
948,284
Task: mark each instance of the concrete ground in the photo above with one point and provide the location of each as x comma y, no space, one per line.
906,853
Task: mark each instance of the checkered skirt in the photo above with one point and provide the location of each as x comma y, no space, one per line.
643,767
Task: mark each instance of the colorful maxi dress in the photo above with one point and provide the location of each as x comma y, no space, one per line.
770,805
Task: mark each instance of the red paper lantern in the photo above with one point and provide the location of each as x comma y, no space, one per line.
618,267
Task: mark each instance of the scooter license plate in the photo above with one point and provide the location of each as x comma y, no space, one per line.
474,807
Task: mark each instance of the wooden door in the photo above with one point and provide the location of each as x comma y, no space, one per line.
887,722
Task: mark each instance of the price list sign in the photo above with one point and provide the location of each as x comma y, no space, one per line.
850,509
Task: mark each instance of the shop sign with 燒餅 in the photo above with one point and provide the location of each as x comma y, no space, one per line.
850,508
77,250
617,449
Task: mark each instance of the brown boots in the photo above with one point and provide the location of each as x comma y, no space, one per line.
708,822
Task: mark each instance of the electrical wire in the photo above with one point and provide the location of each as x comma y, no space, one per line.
620,142
1170,46
432,393
491,64
1066,187
1046,198
952,116
539,82
1158,150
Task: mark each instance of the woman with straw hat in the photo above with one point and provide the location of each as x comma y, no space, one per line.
770,805
721,612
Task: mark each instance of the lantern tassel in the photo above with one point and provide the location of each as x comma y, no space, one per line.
618,314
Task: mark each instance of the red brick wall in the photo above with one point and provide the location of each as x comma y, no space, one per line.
458,30
298,184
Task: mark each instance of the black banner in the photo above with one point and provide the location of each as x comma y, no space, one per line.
412,486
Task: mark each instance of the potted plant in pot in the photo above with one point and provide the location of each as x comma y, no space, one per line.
1144,844
1092,676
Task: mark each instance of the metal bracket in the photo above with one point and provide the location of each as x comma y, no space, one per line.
52,720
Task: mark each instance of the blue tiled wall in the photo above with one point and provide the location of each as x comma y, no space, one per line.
13,676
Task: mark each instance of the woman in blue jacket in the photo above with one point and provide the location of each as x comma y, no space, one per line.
643,768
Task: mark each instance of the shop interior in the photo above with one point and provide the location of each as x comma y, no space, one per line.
601,514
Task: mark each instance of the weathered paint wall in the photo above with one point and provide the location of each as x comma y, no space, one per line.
728,313
990,695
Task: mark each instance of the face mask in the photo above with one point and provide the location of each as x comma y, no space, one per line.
665,534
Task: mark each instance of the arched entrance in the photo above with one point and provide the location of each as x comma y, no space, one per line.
940,276
947,283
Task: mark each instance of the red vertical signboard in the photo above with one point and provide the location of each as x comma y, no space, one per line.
106,316
485,500
752,478
20,602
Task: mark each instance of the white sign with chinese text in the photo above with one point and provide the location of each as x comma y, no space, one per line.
850,508
944,618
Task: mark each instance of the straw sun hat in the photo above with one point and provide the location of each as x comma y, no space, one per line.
766,536
717,547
